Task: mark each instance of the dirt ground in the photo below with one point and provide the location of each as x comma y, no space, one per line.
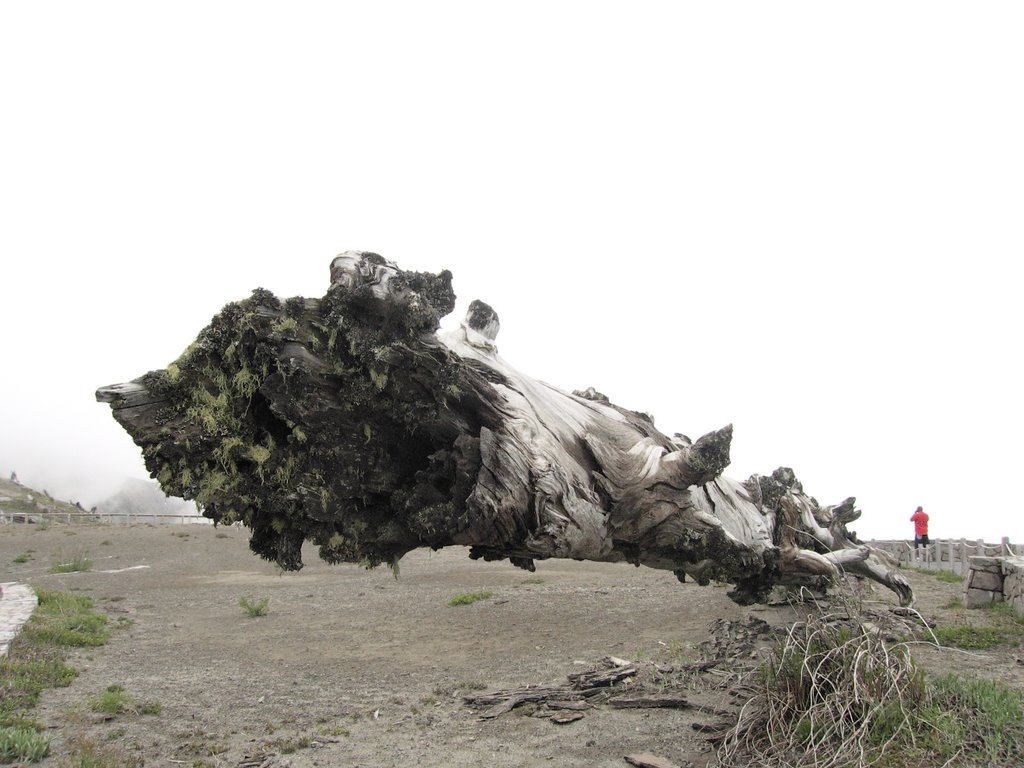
351,667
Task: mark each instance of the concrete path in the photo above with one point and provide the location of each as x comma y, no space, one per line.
17,601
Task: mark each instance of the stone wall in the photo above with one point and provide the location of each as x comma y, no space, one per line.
995,580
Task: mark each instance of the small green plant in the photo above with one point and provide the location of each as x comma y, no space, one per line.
115,700
290,744
254,608
22,745
24,557
86,753
70,562
531,580
467,598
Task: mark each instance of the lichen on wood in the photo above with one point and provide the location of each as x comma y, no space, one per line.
352,422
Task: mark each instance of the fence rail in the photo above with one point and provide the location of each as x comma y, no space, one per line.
945,554
942,554
82,518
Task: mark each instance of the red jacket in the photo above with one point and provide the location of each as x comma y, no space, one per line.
920,520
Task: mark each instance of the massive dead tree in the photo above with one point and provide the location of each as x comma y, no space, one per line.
352,422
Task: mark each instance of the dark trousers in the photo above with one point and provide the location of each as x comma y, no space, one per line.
921,539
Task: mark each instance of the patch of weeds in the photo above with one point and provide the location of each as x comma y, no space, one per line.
35,660
254,608
954,603
181,534
221,535
291,744
949,577
1006,613
24,557
22,745
66,621
832,689
332,730
467,598
989,714
678,652
1006,628
106,543
530,580
71,562
115,700
975,638
86,753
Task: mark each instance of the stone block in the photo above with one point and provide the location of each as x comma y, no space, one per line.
993,582
1013,564
983,562
979,598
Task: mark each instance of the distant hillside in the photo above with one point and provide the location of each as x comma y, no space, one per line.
136,497
17,499
144,497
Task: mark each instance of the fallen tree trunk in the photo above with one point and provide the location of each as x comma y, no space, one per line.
352,422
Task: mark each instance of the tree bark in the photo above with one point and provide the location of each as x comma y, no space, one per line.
352,422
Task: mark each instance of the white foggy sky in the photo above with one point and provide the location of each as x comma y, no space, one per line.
801,218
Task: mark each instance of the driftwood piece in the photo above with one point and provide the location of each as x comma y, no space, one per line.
651,702
350,421
598,678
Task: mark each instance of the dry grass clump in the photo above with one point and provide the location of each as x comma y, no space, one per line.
839,692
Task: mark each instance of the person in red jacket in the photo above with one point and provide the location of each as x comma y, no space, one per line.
920,521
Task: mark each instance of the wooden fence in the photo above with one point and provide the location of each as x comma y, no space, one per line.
946,554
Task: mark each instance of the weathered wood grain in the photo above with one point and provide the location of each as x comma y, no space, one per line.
352,422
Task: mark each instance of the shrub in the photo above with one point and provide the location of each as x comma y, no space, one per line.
23,745
835,694
70,563
254,607
466,598
115,700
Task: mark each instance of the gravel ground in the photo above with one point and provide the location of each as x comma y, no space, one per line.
351,667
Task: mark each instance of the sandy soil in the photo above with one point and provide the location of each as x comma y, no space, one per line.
355,668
